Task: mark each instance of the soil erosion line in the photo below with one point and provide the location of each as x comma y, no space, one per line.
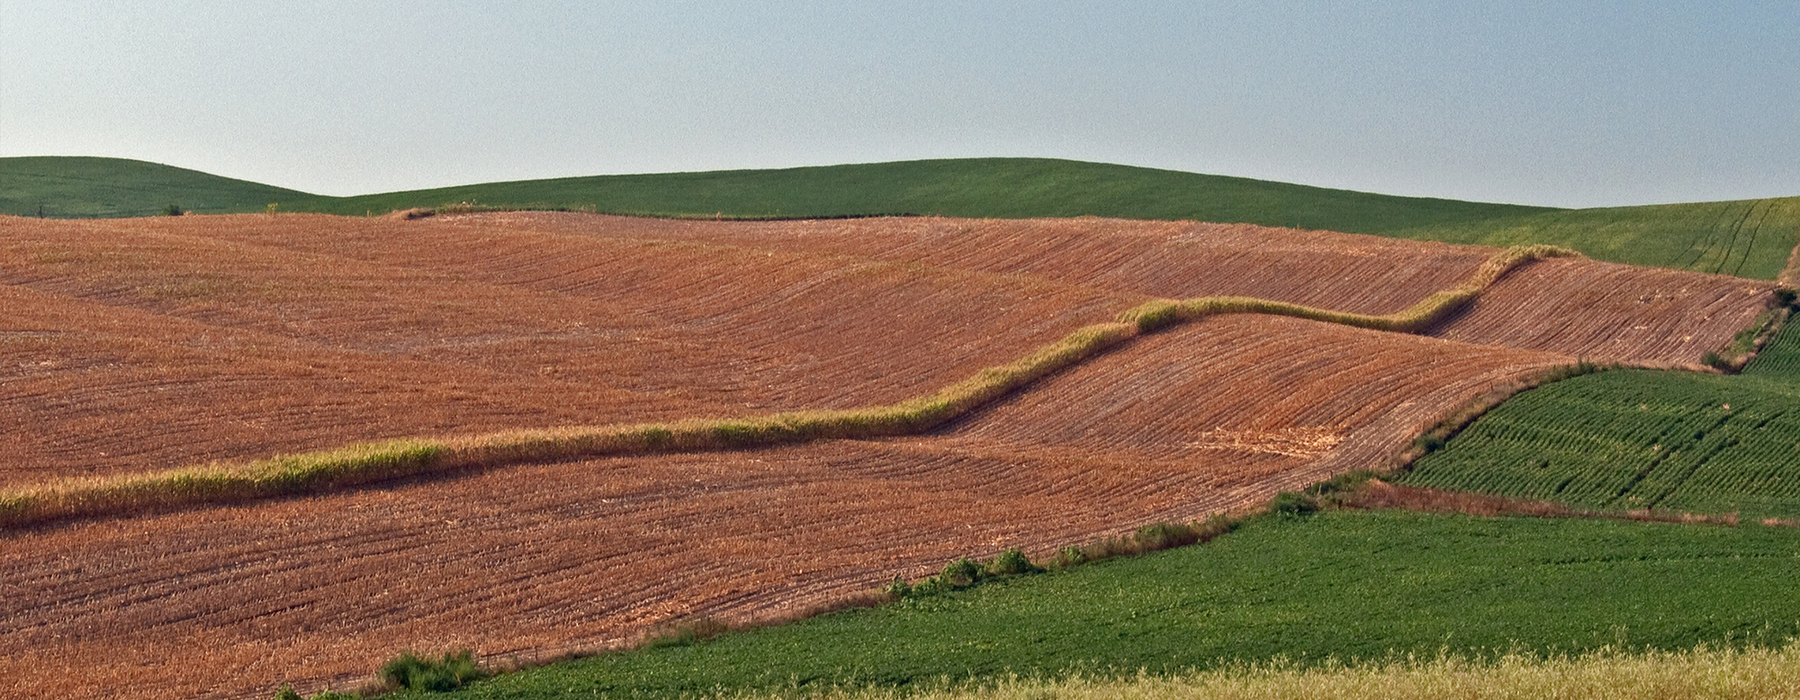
381,461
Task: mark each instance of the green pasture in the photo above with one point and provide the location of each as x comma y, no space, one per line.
1344,585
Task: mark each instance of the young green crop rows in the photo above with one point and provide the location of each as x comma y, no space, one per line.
1635,439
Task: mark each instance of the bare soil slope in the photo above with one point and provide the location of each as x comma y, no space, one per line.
152,343
539,559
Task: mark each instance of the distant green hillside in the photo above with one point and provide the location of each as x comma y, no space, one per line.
983,187
977,187
1750,238
81,187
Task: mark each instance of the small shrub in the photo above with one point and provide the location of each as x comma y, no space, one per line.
1161,536
1712,359
1783,295
962,573
1429,443
1012,562
1341,484
454,670
1069,556
173,210
1290,504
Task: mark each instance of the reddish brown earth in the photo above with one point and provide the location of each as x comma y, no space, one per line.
135,345
147,343
539,559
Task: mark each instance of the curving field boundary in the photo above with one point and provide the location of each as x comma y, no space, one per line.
381,461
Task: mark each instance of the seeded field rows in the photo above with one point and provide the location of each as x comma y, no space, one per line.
322,331
548,558
153,343
119,326
1636,439
1597,310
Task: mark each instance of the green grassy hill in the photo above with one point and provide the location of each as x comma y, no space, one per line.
1747,238
81,187
1750,238
979,187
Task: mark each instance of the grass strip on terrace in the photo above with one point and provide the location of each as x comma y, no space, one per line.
381,461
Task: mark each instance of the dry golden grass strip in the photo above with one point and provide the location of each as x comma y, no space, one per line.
1432,309
1702,673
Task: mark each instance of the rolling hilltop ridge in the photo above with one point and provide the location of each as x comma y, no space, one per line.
1748,238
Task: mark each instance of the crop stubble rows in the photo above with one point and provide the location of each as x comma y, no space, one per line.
1210,416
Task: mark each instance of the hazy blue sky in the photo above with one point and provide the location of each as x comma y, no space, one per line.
1563,103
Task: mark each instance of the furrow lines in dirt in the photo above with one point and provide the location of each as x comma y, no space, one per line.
1201,418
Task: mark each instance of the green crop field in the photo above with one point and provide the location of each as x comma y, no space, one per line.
984,187
1344,584
1750,238
77,187
1642,439
976,187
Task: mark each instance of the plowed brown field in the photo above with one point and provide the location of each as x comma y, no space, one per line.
148,343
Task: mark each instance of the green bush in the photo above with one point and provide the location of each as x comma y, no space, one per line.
1294,505
1161,536
1429,443
1012,562
453,671
962,573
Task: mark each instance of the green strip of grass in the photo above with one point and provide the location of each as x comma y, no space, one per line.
1344,585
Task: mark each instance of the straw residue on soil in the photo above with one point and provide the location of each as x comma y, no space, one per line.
154,343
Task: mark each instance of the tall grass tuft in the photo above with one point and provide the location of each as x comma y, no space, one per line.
453,670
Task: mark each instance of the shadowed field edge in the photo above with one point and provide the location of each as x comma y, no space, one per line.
365,463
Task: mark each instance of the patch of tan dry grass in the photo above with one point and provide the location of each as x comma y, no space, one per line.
1607,674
